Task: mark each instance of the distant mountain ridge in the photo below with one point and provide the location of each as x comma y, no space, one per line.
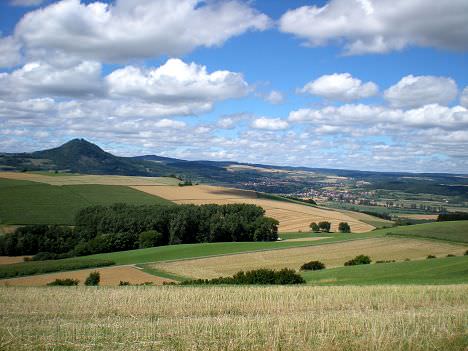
82,156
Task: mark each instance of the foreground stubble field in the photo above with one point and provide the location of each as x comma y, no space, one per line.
235,318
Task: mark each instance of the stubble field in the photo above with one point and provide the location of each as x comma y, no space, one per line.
235,318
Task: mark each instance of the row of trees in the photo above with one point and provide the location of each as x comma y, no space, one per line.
125,227
325,226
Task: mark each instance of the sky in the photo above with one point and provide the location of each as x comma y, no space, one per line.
351,84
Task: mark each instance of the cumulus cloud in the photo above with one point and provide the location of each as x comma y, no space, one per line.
40,78
9,52
464,98
364,118
414,91
132,29
340,86
270,123
176,81
275,97
366,26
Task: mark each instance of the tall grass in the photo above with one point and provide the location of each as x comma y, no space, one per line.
235,318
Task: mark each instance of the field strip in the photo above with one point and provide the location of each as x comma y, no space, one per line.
110,276
332,254
11,259
292,216
90,179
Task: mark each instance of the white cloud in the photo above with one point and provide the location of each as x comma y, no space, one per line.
43,79
414,91
135,28
25,2
340,86
176,82
366,26
9,52
464,98
270,123
380,120
274,97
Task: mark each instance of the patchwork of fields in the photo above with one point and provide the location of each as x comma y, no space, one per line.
332,254
292,216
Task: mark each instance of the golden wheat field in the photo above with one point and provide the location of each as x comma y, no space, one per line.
89,179
11,259
110,276
292,217
331,254
234,318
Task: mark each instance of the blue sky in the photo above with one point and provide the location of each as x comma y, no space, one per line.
353,84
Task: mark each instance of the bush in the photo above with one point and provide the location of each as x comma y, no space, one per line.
466,253
64,282
312,266
450,255
124,283
324,226
150,238
430,256
385,261
255,277
454,216
93,279
361,259
344,227
314,227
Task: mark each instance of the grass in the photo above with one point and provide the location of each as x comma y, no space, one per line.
449,270
234,318
24,202
41,267
188,251
456,231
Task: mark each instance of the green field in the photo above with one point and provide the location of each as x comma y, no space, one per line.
41,267
456,231
24,202
448,270
187,251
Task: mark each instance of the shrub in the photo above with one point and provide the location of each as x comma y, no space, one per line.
361,259
150,238
312,266
64,282
344,227
314,227
93,279
256,277
430,256
124,283
450,255
385,261
466,253
324,226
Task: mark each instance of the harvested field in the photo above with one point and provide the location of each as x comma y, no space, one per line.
419,216
11,259
332,255
89,179
292,217
300,318
110,276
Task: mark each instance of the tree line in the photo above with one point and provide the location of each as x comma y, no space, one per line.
125,227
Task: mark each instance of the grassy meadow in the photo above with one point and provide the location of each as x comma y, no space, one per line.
25,202
447,270
235,318
456,231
